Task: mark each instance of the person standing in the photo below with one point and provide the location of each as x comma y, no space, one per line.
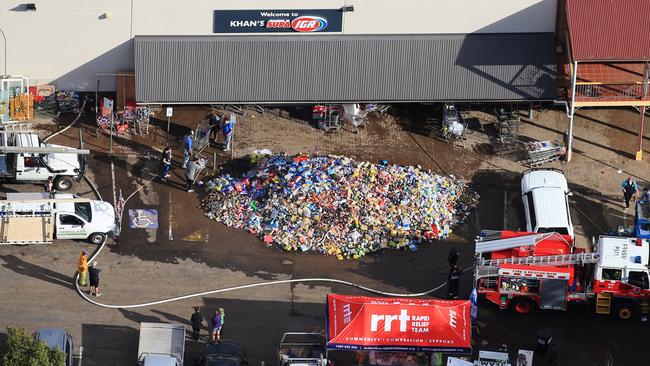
166,162
453,282
215,122
223,319
227,129
452,257
49,185
216,325
630,189
82,268
187,148
190,173
197,322
94,279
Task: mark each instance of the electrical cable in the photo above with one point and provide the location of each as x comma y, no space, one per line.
427,153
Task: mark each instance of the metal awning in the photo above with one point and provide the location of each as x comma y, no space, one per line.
344,68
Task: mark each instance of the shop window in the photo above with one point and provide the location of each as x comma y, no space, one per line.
638,279
610,274
517,284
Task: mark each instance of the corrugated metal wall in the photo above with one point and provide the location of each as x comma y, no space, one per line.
295,69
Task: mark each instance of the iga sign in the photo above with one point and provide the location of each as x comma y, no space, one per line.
276,21
395,324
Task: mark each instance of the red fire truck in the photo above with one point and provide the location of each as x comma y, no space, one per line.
526,271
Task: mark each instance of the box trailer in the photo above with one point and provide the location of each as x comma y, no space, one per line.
161,344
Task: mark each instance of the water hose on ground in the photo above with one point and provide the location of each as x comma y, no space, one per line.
81,110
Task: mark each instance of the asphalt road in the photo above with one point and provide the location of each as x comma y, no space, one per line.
188,253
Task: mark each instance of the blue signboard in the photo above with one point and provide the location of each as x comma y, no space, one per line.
276,21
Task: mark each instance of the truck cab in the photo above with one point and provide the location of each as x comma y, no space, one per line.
91,220
623,265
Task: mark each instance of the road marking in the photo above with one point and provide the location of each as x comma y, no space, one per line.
505,208
113,183
170,216
197,235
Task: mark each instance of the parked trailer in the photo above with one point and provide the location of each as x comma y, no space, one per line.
526,271
302,349
161,344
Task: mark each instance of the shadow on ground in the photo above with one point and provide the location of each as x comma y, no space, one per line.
109,344
41,273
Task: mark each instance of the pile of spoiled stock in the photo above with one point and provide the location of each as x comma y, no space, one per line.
338,206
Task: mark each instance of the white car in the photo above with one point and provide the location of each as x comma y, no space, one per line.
544,193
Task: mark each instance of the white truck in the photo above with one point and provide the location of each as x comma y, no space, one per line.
161,344
25,158
39,218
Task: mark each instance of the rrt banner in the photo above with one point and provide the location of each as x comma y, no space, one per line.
398,324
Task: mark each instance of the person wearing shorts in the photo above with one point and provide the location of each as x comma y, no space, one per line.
216,325
93,271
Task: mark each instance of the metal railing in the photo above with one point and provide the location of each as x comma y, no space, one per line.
600,91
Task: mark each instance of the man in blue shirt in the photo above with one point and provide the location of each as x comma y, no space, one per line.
227,129
187,148
630,188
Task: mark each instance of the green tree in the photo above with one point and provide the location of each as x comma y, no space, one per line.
23,350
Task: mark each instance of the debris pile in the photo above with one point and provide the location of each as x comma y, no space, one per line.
338,206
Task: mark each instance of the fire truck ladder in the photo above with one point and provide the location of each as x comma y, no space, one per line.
490,267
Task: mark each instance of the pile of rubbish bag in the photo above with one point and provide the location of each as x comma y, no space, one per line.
338,206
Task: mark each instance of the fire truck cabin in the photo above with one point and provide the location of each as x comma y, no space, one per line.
622,268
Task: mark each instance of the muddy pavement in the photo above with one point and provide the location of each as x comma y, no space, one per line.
188,253
185,234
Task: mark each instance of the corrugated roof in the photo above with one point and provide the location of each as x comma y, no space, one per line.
609,29
304,69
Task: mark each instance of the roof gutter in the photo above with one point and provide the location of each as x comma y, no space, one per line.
612,60
346,101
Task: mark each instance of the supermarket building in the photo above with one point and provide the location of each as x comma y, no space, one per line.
285,52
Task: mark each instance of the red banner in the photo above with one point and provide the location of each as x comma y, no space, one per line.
398,324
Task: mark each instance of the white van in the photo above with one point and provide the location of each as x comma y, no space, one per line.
544,193
37,218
